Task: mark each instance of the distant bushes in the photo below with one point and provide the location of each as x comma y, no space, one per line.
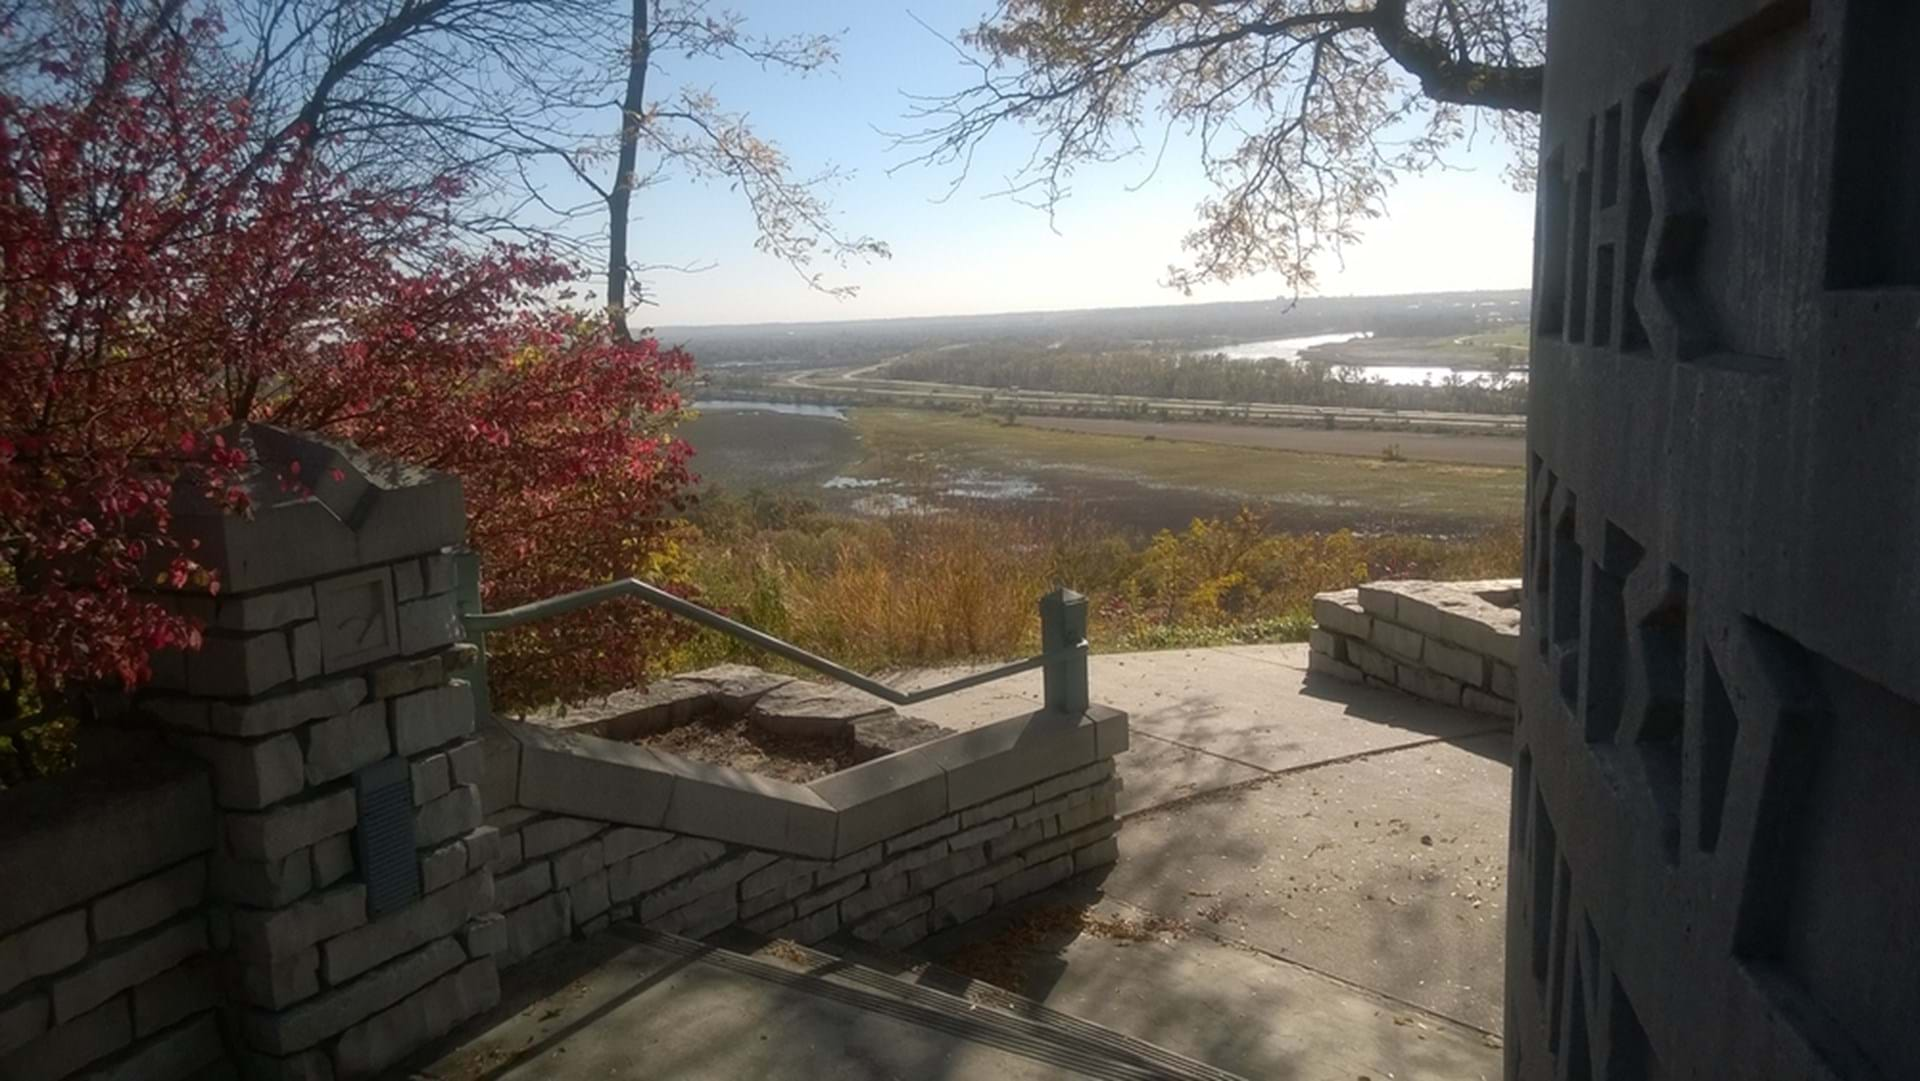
933,589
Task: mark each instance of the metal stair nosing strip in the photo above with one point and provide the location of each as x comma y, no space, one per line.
1035,1032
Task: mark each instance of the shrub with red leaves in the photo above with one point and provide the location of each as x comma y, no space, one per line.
163,275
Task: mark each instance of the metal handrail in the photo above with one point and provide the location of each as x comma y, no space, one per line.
1063,615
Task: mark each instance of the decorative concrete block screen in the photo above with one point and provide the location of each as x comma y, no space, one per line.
890,851
1450,642
104,929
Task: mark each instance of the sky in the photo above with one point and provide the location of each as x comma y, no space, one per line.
1109,244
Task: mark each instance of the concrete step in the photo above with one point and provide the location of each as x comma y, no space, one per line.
989,1015
635,1003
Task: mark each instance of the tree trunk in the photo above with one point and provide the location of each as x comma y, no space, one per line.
620,199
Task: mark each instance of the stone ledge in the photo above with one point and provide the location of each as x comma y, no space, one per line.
573,773
1448,642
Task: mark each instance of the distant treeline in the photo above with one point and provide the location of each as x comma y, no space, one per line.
1213,378
790,345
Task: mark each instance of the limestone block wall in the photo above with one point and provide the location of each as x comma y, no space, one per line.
347,855
888,852
1451,642
105,935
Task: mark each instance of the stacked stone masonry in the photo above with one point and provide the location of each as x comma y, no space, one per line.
1451,642
306,858
105,935
559,875
331,659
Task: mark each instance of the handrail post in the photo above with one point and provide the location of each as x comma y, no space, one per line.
466,563
1063,623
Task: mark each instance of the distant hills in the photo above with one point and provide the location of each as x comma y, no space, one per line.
1182,325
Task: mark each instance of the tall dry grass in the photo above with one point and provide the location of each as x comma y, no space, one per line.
933,589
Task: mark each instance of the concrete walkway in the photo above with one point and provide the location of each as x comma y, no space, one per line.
1310,886
1329,861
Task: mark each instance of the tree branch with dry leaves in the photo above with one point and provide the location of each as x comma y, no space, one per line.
1306,112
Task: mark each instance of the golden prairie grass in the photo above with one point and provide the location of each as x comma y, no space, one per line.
934,589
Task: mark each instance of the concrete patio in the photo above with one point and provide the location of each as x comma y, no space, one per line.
1310,886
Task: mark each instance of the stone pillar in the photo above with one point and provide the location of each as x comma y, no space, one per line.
351,878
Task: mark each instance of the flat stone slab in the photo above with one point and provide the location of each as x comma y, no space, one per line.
735,687
813,709
891,732
626,714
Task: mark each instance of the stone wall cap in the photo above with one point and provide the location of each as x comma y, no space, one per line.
351,508
1040,743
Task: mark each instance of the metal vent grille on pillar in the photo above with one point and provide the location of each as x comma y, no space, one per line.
383,843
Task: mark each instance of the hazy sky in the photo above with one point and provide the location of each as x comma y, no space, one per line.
1464,229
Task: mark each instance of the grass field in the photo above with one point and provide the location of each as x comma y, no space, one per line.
1365,490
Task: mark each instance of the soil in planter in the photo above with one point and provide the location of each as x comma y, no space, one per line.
731,741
